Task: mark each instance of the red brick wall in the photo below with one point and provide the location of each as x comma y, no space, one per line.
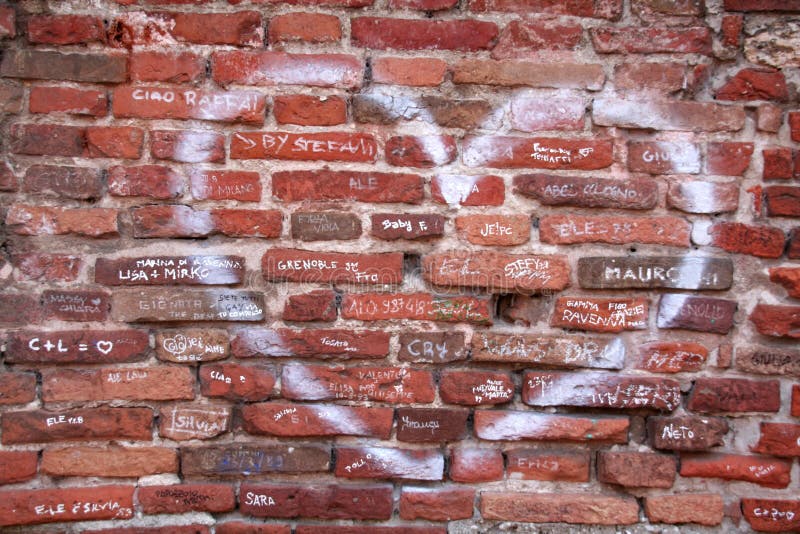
399,266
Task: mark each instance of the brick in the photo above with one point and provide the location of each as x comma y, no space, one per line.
181,422
678,116
19,309
536,114
325,343
465,190
778,164
146,383
793,251
416,72
421,151
51,65
243,186
391,226
734,395
494,230
431,347
68,100
702,314
317,501
423,5
671,357
42,220
769,118
169,305
187,146
439,504
769,361
595,9
242,459
778,439
653,40
431,425
237,382
556,351
795,402
325,226
537,152
648,8
153,181
306,266
170,221
17,388
8,180
759,241
600,314
698,508
318,305
87,424
534,464
788,277
182,498
771,515
380,108
241,28
307,110
114,142
754,84
636,469
47,140
167,66
19,466
761,5
551,190
31,507
242,527
47,267
304,27
782,201
502,425
323,146
664,157
761,470
513,73
496,270
8,21
730,159
475,388
75,305
170,270
168,102
265,224
675,272
392,385
279,68
169,529
697,196
596,390
65,29
572,229
559,508
794,125
389,463
11,96
294,186
307,420
112,462
652,77
413,34
416,306
61,181
520,39
473,465
776,321
77,346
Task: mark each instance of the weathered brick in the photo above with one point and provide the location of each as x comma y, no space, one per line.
8,21
309,110
279,68
182,498
594,8
77,346
47,267
431,347
538,152
298,420
788,277
496,230
317,501
677,272
572,229
51,65
536,114
776,321
502,425
68,100
304,27
114,142
295,186
559,508
782,201
112,462
168,102
265,224
697,196
166,66
681,116
653,40
47,140
30,507
754,84
413,34
19,309
242,459
187,146
296,265
319,305
465,190
761,470
769,118
672,357
423,5
88,424
237,382
702,314
182,422
305,343
711,395
778,439
153,181
600,314
71,182
649,77
473,465
555,351
664,157
416,306
778,164
512,73
17,388
65,29
45,220
475,388
534,464
441,504
241,28
327,146
390,463
145,383
416,72
391,226
551,190
699,508
243,527
521,39
325,226
19,466
636,469
769,361
759,241
431,425
243,186
421,151
771,515
170,270
75,305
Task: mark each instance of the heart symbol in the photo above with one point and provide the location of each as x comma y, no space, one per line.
104,346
